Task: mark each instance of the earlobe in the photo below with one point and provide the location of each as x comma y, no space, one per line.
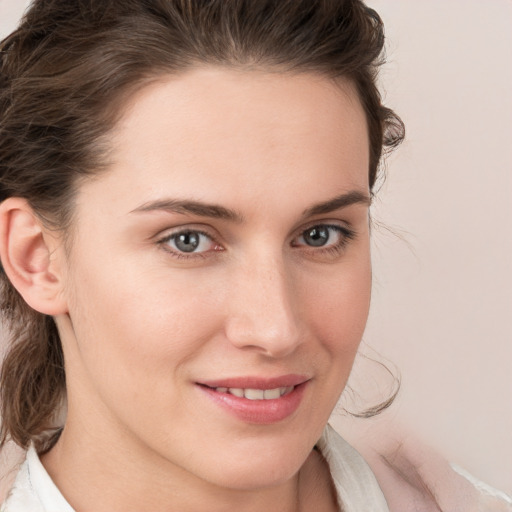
26,251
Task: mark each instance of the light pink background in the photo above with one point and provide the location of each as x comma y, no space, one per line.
442,303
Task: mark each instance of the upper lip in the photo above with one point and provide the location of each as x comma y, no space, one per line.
254,382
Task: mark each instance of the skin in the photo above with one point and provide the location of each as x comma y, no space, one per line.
141,324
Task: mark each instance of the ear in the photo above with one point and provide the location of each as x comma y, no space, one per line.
29,257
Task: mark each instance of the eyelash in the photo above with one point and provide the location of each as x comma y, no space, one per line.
346,236
183,255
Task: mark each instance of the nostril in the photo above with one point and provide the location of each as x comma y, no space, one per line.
268,339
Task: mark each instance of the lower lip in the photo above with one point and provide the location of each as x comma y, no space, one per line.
262,412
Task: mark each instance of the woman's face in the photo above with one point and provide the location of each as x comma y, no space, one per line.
219,278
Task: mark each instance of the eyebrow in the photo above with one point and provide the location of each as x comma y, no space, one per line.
185,206
338,202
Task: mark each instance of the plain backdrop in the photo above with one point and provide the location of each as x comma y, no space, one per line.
442,299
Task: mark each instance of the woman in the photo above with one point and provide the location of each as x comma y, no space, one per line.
185,251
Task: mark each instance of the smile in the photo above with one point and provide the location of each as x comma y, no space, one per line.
255,400
257,394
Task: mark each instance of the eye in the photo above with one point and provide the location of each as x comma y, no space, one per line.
325,236
189,242
317,236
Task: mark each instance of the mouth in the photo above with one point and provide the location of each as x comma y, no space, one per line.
259,401
256,394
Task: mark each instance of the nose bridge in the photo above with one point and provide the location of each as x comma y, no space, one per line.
264,311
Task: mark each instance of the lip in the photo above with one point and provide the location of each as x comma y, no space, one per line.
261,412
254,382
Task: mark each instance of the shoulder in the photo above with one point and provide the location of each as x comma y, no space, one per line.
34,490
356,486
414,477
22,496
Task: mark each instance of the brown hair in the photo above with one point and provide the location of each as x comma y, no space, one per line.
64,76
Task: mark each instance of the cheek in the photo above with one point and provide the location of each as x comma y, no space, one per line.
138,328
336,314
338,307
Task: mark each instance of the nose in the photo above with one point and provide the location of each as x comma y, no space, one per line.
263,311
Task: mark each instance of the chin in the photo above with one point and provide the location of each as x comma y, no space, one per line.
253,476
260,467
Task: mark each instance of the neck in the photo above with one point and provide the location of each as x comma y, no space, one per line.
85,470
97,455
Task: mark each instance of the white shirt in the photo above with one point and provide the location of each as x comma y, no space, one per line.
356,486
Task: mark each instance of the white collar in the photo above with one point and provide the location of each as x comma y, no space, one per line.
356,486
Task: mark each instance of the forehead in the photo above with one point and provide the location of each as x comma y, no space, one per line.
219,130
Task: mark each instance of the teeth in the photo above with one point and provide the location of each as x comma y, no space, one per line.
257,394
254,394
285,391
269,394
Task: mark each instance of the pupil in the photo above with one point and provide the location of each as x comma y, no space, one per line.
317,236
187,242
